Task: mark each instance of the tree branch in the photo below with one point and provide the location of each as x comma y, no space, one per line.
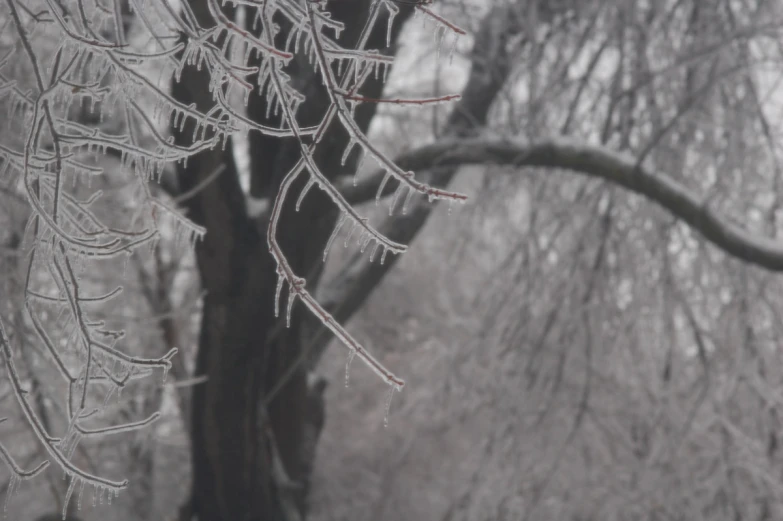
345,293
619,169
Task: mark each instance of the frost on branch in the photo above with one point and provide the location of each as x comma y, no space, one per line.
84,100
342,90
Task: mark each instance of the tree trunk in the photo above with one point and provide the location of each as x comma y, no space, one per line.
252,450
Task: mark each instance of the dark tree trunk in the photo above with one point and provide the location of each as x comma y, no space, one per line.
242,434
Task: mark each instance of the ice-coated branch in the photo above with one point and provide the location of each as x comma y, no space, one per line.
94,95
18,474
50,444
339,93
65,232
296,288
406,178
296,284
16,469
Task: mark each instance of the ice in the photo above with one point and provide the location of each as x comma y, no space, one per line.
13,484
396,198
387,408
408,198
351,356
350,234
393,11
334,234
279,290
379,193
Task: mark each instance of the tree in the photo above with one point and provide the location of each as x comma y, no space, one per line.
614,365
209,54
293,76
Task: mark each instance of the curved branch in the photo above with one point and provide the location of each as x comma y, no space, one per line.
602,163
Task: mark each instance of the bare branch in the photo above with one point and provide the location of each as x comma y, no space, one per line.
597,162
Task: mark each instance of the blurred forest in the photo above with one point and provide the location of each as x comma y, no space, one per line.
592,336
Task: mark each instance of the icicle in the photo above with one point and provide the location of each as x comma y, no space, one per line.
365,242
350,234
125,264
396,198
408,198
278,290
393,10
381,187
278,106
389,397
291,299
453,48
374,250
111,391
298,36
81,493
289,40
359,165
12,485
440,32
335,232
383,255
351,356
307,187
360,240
